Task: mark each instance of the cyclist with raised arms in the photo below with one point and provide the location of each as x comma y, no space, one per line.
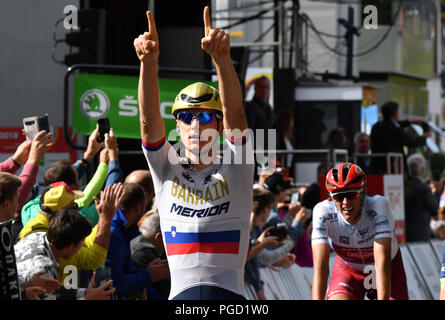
360,229
203,205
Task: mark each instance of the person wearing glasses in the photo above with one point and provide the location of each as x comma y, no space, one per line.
360,229
202,199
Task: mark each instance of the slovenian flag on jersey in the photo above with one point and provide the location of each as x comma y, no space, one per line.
207,242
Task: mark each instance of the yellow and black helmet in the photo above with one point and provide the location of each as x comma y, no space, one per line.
197,95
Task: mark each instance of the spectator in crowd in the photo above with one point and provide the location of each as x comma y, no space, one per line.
419,202
42,251
285,127
362,144
29,154
279,256
436,187
438,225
312,195
130,281
62,170
260,116
262,203
9,186
80,165
94,250
143,178
388,135
148,247
436,181
293,216
337,139
9,197
259,112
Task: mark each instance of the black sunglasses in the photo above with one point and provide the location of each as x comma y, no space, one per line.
348,195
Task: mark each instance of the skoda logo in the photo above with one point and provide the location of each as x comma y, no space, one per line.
94,104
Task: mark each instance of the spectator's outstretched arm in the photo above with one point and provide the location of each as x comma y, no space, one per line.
273,256
97,181
262,242
115,174
111,197
320,253
39,146
216,43
94,252
147,50
92,149
20,156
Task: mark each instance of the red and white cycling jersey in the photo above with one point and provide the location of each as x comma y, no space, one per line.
354,243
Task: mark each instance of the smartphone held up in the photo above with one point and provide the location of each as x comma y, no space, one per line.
104,127
35,124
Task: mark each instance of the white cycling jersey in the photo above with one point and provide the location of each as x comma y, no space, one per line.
204,217
354,243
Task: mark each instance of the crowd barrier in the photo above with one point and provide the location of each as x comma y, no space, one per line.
422,262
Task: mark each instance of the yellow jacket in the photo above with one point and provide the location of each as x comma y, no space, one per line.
89,257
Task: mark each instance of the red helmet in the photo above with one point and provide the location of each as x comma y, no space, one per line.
345,176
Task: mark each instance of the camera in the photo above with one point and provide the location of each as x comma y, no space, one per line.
33,125
103,275
104,127
280,231
295,197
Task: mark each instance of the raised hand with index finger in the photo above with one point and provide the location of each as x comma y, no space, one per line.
147,44
216,42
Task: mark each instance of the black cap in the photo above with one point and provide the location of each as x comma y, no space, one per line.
276,183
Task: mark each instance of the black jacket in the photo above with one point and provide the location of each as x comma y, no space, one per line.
420,205
387,137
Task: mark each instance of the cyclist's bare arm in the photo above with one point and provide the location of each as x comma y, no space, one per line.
216,43
147,50
320,253
382,262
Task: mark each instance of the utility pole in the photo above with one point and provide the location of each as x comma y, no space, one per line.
350,43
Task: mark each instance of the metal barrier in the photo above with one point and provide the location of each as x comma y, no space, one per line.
312,156
388,156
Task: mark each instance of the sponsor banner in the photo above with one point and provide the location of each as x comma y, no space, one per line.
116,97
11,138
400,230
9,283
394,193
